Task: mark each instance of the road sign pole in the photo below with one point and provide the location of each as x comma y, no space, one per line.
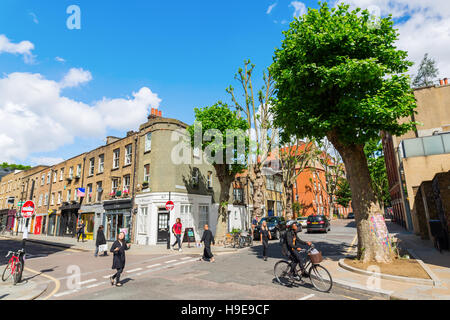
168,229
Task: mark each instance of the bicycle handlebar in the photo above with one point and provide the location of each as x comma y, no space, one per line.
8,254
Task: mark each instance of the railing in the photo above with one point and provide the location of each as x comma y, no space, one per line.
425,146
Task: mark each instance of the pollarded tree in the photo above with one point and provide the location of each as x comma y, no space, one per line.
339,76
221,135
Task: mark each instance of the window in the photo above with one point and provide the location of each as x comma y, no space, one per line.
61,175
148,142
42,179
143,218
52,201
203,218
91,166
278,185
147,173
279,208
116,157
128,150
46,199
59,197
99,191
126,184
55,175
101,163
195,176
269,183
115,185
75,195
210,179
89,192
197,152
71,172
237,193
40,200
186,215
69,193
79,171
49,176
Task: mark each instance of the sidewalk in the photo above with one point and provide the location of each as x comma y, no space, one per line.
27,289
89,245
436,264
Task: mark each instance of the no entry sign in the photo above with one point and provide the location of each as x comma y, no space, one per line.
28,209
170,205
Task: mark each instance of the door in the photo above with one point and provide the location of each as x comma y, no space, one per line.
163,225
111,227
37,227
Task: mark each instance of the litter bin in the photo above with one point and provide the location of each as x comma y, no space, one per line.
439,235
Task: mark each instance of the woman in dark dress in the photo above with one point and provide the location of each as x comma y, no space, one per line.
100,240
118,248
265,236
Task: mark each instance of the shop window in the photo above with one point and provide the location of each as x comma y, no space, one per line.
203,216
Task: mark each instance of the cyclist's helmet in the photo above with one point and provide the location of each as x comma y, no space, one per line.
290,223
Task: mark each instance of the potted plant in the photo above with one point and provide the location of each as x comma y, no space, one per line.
125,193
145,185
112,194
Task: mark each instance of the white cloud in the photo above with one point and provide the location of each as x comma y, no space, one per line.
46,161
35,19
424,28
299,8
75,77
35,117
24,48
59,59
270,8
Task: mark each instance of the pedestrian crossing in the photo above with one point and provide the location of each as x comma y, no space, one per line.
99,281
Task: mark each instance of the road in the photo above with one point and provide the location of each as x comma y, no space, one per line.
244,275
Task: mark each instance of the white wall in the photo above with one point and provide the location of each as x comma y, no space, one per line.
238,218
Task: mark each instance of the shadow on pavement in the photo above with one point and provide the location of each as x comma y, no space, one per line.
30,248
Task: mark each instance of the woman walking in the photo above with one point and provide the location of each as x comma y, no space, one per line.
118,248
100,241
265,236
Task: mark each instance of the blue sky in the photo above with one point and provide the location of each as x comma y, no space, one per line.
186,53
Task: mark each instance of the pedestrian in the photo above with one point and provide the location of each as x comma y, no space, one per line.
118,248
176,229
254,224
265,236
80,232
100,241
207,238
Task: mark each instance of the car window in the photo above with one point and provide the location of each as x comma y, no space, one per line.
316,218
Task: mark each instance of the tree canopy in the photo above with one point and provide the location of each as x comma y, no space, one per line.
336,71
427,72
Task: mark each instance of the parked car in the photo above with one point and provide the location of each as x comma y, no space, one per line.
299,225
302,221
275,224
351,215
318,223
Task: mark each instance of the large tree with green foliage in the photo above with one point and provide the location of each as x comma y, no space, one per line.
12,166
220,133
340,76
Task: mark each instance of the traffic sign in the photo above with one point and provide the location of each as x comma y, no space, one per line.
170,205
28,209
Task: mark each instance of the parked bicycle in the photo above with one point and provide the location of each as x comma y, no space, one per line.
14,267
319,276
5,229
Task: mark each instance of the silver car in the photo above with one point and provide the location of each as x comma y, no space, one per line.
302,221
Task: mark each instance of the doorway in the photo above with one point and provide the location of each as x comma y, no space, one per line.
163,225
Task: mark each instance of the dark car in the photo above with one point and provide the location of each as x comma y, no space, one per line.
351,215
275,225
317,223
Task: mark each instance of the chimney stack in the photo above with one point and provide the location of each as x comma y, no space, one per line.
446,81
441,82
154,113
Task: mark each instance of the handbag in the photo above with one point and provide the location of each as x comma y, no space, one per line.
103,247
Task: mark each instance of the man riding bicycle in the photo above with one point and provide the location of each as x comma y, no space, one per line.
293,243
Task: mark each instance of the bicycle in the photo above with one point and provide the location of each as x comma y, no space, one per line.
14,267
319,276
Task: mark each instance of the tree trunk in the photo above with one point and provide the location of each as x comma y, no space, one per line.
225,181
289,213
258,192
373,238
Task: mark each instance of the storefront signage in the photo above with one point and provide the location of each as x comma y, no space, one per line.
189,236
28,209
170,205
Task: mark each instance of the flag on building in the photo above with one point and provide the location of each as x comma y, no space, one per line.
81,192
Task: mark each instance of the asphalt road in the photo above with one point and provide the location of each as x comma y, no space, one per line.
244,275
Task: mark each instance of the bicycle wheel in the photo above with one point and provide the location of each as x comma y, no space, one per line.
17,272
320,278
7,272
281,272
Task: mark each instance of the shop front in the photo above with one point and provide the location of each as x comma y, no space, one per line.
117,218
89,221
68,219
92,214
38,224
51,231
3,217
